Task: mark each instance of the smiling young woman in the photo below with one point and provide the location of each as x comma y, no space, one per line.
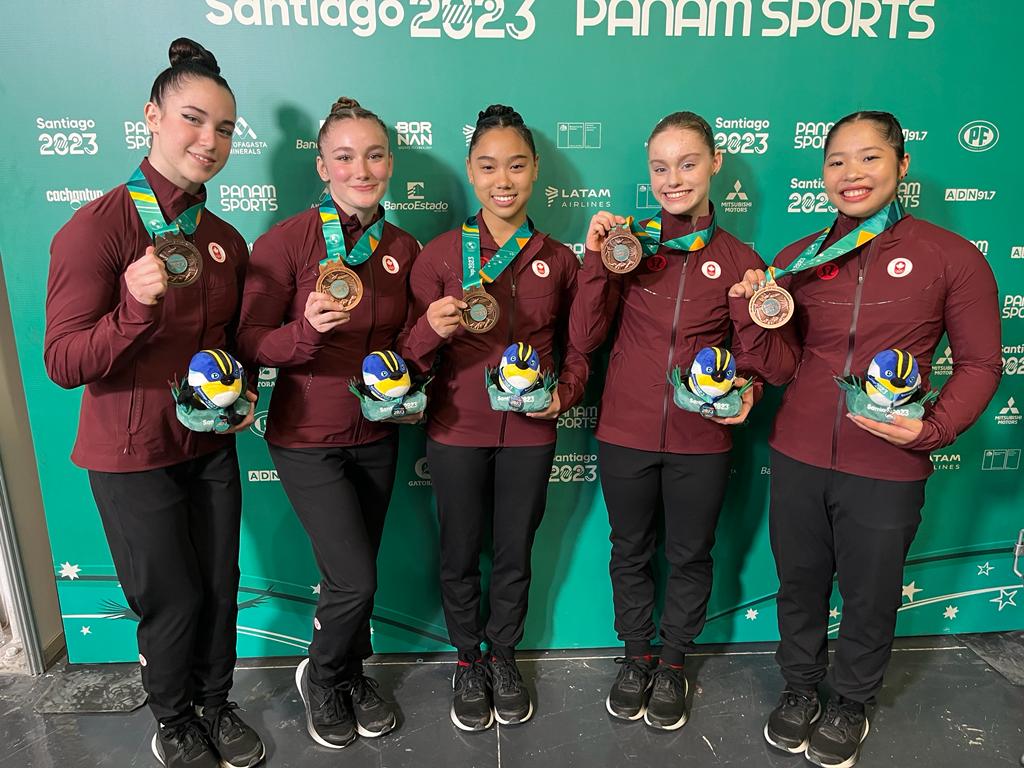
847,491
336,466
486,464
652,453
122,322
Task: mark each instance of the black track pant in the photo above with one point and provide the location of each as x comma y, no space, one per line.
341,496
690,488
508,487
173,534
826,523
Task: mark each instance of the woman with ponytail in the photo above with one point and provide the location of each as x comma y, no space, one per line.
476,290
123,318
336,467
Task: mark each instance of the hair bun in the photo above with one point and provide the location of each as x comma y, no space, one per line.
342,104
499,111
186,51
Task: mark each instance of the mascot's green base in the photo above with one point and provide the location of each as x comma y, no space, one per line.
536,399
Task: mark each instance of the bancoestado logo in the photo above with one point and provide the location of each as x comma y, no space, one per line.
250,198
1013,305
579,417
1013,360
417,134
578,135
416,199
66,136
811,134
582,197
978,136
968,194
809,196
76,198
574,468
482,19
777,18
742,135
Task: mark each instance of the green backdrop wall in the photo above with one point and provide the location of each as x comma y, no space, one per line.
591,77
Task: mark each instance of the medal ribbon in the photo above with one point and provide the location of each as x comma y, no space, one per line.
149,209
868,230
330,223
472,274
649,236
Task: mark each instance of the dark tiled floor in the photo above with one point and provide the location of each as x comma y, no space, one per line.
942,706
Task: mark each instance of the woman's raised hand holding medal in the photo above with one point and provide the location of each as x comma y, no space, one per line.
444,315
323,313
601,225
146,278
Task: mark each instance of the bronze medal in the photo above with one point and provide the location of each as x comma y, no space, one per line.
341,284
482,313
621,252
771,306
181,259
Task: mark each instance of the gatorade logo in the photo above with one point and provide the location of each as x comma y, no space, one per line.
390,264
711,269
541,268
900,267
827,271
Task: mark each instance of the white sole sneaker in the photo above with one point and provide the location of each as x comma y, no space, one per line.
463,727
309,717
798,749
156,751
846,763
529,714
681,721
616,715
375,734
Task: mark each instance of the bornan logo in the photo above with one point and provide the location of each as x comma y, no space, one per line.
742,136
250,198
1009,414
414,134
968,194
737,201
978,136
416,199
578,135
583,197
1000,459
76,198
245,141
66,136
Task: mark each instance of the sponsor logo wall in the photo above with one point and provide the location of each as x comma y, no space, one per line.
591,78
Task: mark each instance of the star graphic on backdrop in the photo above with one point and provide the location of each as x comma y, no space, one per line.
834,613
751,614
1005,598
984,570
86,631
951,612
909,590
316,589
69,571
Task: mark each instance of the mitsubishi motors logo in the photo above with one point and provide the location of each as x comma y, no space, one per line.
1009,415
737,201
943,365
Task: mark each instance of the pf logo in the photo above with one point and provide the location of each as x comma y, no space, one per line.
541,268
711,270
827,271
900,267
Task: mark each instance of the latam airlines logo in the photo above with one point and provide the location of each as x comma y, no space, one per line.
737,201
968,194
245,141
578,135
414,134
945,461
978,136
583,197
1009,414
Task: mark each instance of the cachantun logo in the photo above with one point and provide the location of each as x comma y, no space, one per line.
582,197
737,201
578,135
414,134
978,136
245,141
1009,414
76,198
416,199
250,198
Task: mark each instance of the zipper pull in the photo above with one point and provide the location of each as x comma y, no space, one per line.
513,289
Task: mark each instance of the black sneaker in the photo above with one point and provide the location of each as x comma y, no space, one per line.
512,703
471,699
627,699
666,709
835,741
328,717
374,716
789,724
238,745
184,746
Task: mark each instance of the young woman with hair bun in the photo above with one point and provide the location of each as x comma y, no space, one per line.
846,490
656,457
122,319
336,466
491,465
